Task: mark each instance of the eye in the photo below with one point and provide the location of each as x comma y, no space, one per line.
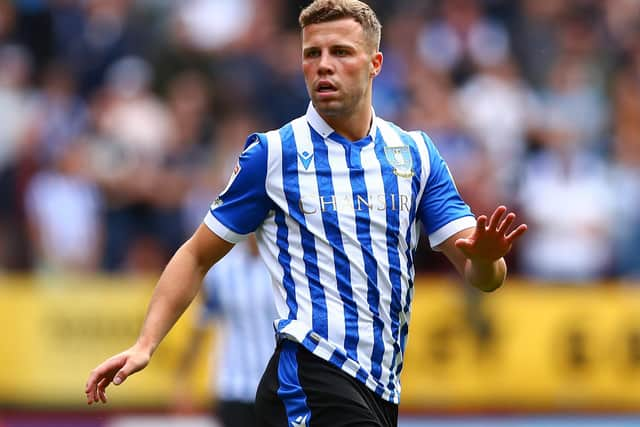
312,53
341,51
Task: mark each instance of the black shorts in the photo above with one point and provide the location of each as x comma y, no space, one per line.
299,389
233,413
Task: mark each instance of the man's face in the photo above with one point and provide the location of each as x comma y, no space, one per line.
338,66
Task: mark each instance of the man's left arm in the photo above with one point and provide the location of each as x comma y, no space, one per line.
478,252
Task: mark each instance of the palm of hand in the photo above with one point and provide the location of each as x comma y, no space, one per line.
491,241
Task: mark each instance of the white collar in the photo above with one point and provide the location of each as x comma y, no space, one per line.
323,128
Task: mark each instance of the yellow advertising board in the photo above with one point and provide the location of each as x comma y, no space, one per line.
54,331
524,347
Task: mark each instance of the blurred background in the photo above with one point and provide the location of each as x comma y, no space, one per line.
120,121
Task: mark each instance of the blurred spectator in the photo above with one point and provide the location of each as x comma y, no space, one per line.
60,116
16,100
63,210
16,109
282,85
134,130
495,107
567,201
621,20
535,38
208,25
573,107
626,163
461,38
189,171
91,39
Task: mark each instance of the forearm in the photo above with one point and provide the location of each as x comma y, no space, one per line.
177,287
486,276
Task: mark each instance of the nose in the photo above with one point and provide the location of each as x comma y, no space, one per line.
325,65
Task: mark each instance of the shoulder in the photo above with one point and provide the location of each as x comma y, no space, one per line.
277,136
418,140
418,137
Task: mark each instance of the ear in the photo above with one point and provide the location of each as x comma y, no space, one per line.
376,64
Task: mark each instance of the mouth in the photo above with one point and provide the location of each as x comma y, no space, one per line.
325,87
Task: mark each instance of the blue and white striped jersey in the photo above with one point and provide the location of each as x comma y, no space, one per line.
237,294
337,225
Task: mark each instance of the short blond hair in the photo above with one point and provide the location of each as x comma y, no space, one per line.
330,10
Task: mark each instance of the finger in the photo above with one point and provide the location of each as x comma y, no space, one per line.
102,371
519,231
504,226
91,393
102,386
481,224
496,217
103,395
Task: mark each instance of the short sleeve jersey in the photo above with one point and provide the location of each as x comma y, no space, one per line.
337,225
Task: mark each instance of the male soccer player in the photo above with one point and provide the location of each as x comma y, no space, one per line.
335,198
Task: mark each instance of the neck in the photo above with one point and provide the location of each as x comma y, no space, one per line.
355,125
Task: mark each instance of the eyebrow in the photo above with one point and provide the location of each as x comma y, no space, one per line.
333,46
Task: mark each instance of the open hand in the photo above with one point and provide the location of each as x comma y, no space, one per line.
491,241
115,369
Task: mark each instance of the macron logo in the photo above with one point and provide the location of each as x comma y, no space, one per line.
305,158
300,421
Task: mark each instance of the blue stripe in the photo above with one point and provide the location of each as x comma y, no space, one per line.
310,257
290,391
362,376
284,258
282,323
363,230
338,358
393,226
332,230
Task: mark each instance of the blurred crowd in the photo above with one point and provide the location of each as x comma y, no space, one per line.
120,120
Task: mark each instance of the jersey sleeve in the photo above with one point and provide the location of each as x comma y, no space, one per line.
442,211
242,206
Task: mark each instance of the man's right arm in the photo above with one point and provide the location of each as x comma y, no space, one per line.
177,287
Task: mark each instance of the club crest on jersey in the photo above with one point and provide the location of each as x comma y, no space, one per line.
401,160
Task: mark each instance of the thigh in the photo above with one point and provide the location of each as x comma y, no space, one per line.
270,410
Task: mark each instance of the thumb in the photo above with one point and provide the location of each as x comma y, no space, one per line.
120,377
124,372
464,245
